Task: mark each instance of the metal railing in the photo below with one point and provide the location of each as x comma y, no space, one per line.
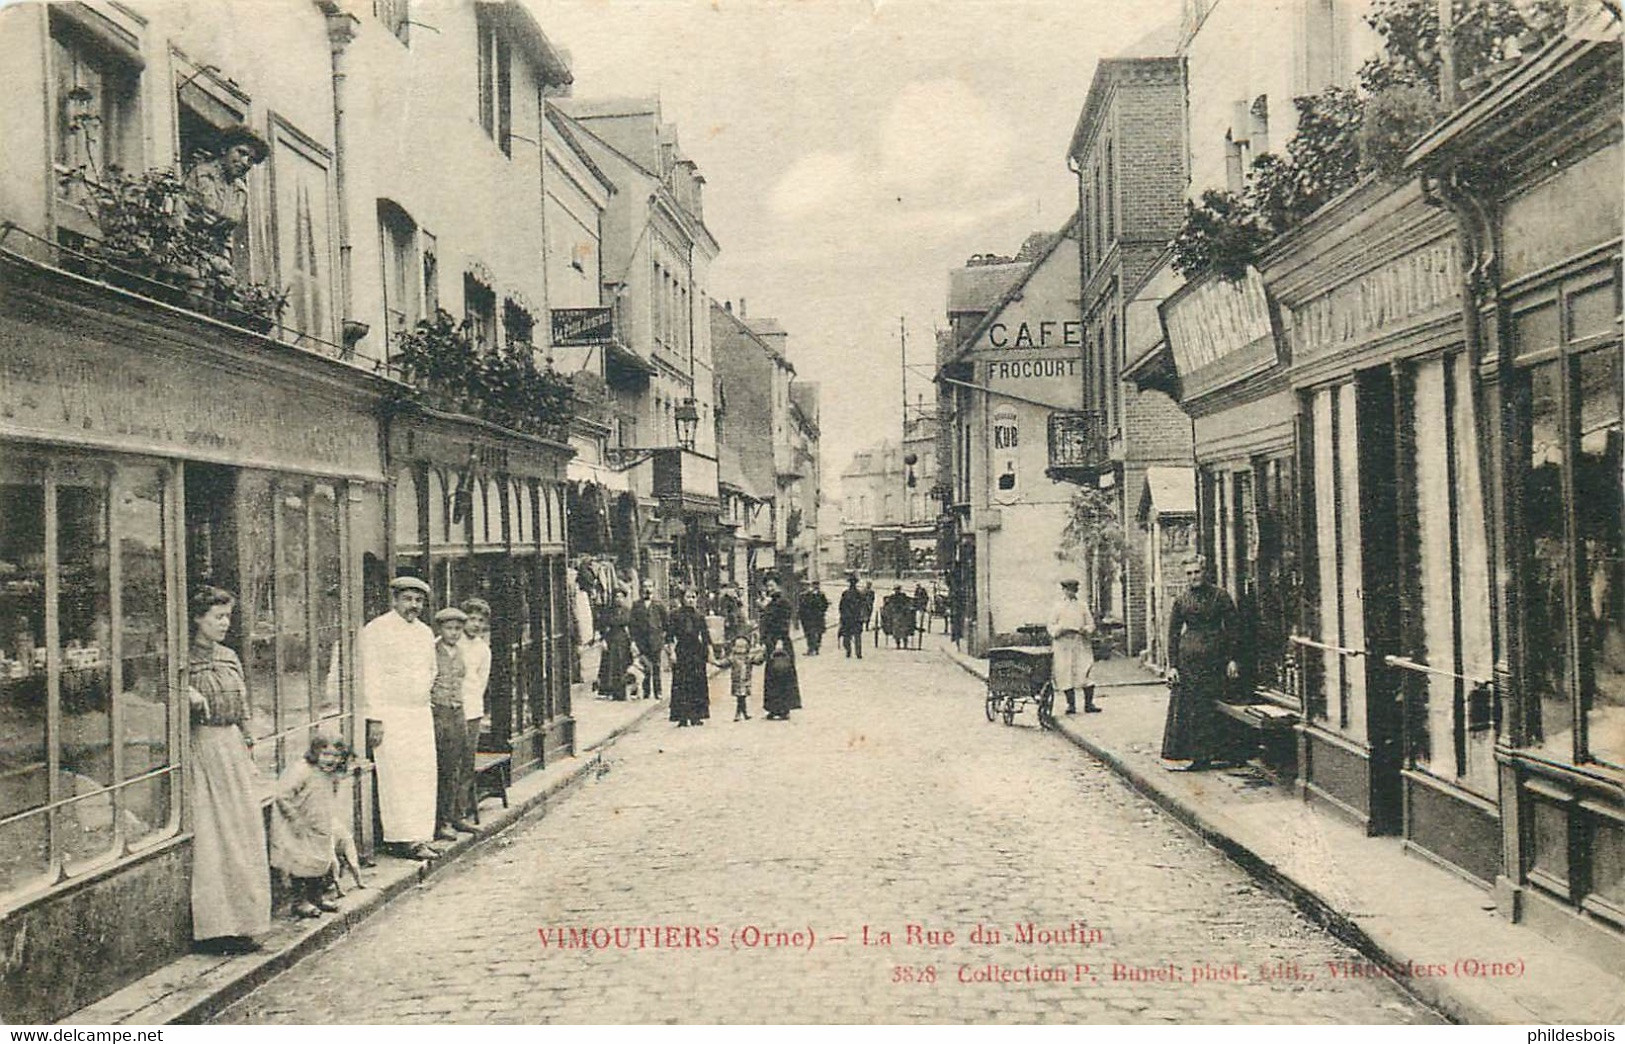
91,266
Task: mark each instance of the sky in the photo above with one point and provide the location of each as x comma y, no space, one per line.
856,150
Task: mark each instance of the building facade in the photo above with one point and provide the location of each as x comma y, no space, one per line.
1024,359
1129,152
242,416
656,253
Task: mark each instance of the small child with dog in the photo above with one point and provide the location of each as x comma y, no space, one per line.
740,660
303,820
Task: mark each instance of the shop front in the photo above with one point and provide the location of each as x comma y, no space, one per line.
145,451
1544,318
1225,364
1395,650
481,512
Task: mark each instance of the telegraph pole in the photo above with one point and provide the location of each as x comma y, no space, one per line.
902,342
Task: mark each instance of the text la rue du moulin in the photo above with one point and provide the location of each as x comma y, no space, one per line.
751,936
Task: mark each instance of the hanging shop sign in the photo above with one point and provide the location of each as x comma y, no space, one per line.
1219,332
582,327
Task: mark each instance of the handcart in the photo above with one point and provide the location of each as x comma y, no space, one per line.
1019,675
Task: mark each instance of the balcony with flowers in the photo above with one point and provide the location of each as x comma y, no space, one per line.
447,368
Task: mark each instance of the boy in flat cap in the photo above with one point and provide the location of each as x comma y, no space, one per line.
397,653
450,726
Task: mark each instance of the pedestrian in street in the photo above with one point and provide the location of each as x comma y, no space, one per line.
1203,649
476,651
897,617
739,661
781,690
617,655
231,878
646,625
1071,626
690,685
922,608
450,725
398,663
854,614
869,611
304,831
814,605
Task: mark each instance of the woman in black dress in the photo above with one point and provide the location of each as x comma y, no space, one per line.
690,688
781,692
617,649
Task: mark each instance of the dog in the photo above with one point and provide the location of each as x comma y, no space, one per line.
345,856
634,680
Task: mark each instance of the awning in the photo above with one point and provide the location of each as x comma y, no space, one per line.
1168,491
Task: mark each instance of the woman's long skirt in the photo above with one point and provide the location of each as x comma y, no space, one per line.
617,657
690,688
1195,729
231,876
781,690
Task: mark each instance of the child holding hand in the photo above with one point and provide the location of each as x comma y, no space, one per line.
740,660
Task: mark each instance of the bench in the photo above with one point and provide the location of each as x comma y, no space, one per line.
493,773
1274,729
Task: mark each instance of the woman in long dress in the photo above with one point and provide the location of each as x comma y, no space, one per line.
617,656
781,691
690,688
231,877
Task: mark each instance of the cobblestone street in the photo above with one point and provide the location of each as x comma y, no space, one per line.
888,801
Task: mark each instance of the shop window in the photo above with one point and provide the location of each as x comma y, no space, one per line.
290,612
408,538
1447,630
1598,466
516,513
1546,593
95,95
1336,683
304,245
79,794
1274,570
439,510
326,589
479,513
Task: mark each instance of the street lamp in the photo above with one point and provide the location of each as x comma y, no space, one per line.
687,416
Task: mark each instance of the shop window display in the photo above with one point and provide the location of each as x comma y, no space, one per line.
83,582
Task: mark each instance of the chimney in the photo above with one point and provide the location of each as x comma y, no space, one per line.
728,306
741,308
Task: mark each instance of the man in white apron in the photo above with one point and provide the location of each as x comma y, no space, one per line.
1070,627
397,654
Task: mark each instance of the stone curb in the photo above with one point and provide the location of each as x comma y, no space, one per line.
195,999
1430,991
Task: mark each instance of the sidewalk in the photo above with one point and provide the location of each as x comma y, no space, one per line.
195,986
1400,911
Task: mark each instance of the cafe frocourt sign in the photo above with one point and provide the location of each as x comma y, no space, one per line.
1030,369
1042,333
